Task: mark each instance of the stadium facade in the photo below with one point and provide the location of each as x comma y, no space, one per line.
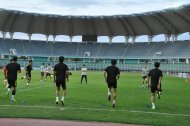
170,22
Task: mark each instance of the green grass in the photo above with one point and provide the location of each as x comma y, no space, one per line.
88,102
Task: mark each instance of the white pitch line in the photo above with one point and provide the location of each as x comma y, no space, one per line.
91,109
31,88
94,109
28,88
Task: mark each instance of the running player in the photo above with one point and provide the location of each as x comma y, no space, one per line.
60,72
12,69
144,76
5,80
28,70
111,75
67,76
84,73
48,71
42,69
5,76
155,75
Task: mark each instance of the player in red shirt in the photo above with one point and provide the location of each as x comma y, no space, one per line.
4,73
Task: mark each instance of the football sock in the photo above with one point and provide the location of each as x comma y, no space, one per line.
9,89
153,104
57,99
12,98
62,98
113,101
109,93
159,93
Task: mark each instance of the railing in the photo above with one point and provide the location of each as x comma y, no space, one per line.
171,68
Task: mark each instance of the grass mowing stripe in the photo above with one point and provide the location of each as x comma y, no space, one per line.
88,102
93,109
27,89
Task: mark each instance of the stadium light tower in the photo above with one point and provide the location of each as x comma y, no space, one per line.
4,35
110,39
11,35
126,39
29,37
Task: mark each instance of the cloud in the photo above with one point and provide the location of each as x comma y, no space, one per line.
74,3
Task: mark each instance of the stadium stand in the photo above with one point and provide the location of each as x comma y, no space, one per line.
101,50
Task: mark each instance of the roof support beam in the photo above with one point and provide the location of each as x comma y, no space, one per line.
93,26
133,33
85,25
110,39
124,26
30,25
126,39
161,24
70,24
6,21
149,39
133,39
55,26
47,26
182,18
150,31
169,23
187,13
11,29
110,31
4,35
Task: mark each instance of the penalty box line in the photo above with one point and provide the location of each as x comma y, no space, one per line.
94,109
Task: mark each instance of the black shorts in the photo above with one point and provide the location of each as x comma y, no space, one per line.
154,89
42,73
84,76
61,83
144,77
28,75
12,83
112,84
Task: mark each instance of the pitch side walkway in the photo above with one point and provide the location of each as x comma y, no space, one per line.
46,122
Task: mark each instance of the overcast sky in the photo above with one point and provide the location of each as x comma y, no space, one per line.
90,7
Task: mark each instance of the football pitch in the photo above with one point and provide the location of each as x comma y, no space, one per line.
88,102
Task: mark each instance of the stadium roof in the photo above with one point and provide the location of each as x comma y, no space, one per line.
169,22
